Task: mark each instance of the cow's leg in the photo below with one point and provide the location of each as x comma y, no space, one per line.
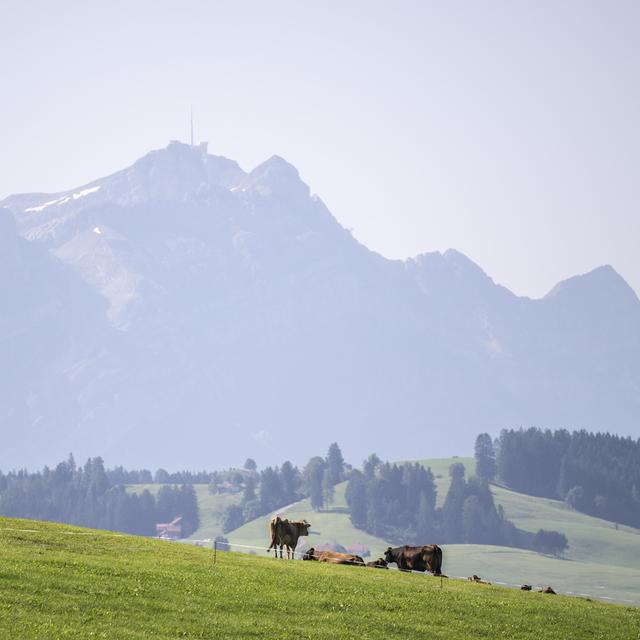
281,550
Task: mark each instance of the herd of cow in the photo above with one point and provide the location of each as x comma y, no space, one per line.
286,533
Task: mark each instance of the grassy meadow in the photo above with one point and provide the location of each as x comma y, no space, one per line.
602,561
96,585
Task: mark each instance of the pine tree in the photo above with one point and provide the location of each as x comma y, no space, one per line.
425,521
313,476
232,518
250,464
485,457
452,508
290,481
270,490
356,497
335,464
249,492
327,488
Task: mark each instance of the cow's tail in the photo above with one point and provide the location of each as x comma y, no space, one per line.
437,569
273,525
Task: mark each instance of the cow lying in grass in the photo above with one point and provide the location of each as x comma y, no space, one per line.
478,579
380,563
425,558
334,557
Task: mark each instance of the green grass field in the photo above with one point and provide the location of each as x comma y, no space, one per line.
96,585
601,561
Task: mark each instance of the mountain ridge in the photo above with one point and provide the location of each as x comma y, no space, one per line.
234,302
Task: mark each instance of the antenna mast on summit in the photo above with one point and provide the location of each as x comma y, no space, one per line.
192,125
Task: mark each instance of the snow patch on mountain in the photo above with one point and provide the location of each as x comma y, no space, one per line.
74,196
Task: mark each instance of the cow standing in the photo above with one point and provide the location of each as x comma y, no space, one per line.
426,558
283,533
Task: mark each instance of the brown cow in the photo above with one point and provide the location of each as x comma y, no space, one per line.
426,558
380,563
283,533
478,579
334,557
547,590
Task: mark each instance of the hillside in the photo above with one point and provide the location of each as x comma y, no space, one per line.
210,505
192,301
59,581
601,561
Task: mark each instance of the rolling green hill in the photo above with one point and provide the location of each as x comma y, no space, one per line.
211,507
602,561
58,581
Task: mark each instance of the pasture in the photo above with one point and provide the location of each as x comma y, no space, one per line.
96,585
602,561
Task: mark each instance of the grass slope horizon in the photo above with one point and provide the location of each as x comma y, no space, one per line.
62,581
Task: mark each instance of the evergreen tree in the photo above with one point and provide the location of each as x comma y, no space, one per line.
313,476
249,492
472,520
232,518
270,489
250,464
161,477
327,488
290,480
356,497
452,509
426,527
188,504
370,465
335,464
485,457
551,542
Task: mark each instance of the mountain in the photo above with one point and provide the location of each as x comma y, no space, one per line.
183,312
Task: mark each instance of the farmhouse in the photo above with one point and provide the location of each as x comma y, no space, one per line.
170,530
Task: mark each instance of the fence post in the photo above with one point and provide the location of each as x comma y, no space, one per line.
215,551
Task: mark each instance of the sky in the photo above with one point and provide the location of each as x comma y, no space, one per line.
507,130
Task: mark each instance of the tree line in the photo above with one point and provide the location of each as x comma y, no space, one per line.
276,487
398,502
89,496
595,473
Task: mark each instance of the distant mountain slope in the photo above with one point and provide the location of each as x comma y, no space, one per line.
239,318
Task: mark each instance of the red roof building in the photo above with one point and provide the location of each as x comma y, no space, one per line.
171,529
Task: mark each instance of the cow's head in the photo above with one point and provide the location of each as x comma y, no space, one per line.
310,555
388,555
304,528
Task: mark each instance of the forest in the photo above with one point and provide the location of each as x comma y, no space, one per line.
595,473
92,496
276,487
397,502
598,474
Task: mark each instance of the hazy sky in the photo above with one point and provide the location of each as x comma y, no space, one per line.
508,130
